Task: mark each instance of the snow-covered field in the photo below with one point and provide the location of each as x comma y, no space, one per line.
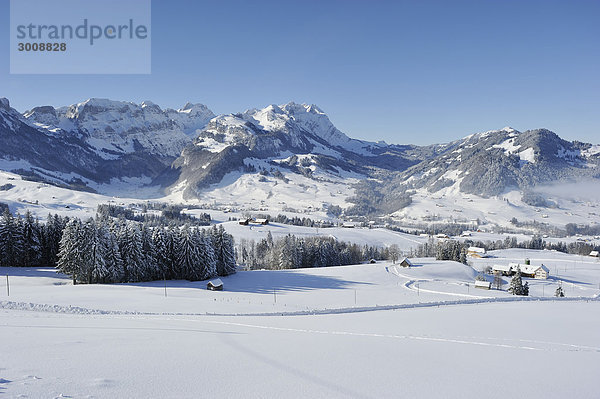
368,331
42,199
362,331
494,351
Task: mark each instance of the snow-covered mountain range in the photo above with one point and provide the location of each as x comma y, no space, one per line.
115,128
489,163
283,151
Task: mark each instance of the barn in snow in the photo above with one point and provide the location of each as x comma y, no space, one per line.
215,285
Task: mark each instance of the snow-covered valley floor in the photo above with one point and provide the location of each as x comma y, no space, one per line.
364,331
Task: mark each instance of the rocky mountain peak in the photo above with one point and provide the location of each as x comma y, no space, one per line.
4,103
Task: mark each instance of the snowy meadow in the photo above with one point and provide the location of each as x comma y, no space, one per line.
368,330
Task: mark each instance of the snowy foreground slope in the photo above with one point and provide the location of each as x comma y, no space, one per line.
494,351
364,331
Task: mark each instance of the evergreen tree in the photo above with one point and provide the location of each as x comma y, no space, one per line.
516,284
50,235
285,253
172,238
159,241
151,271
463,256
207,256
92,265
30,232
19,242
225,253
11,240
188,251
217,243
69,256
112,257
559,293
132,253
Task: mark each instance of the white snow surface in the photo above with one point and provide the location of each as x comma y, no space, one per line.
527,155
363,331
508,146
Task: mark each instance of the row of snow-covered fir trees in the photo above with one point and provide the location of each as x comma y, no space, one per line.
109,250
291,252
26,242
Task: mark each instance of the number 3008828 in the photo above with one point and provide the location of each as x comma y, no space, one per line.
42,46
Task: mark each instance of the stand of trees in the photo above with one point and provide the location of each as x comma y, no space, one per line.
26,242
169,214
442,250
291,252
455,250
537,242
109,251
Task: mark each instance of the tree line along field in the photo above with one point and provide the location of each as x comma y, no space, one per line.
121,246
109,250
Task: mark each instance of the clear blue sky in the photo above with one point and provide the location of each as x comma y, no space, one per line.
405,72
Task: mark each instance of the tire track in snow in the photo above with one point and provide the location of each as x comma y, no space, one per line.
463,341
409,285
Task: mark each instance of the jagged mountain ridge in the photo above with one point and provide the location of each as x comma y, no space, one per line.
230,142
95,141
191,149
115,128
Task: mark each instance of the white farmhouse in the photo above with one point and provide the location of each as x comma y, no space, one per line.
533,271
538,272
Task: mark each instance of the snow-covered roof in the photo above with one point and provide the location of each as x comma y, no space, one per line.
479,283
594,253
527,269
503,268
531,269
216,282
406,260
477,250
261,220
